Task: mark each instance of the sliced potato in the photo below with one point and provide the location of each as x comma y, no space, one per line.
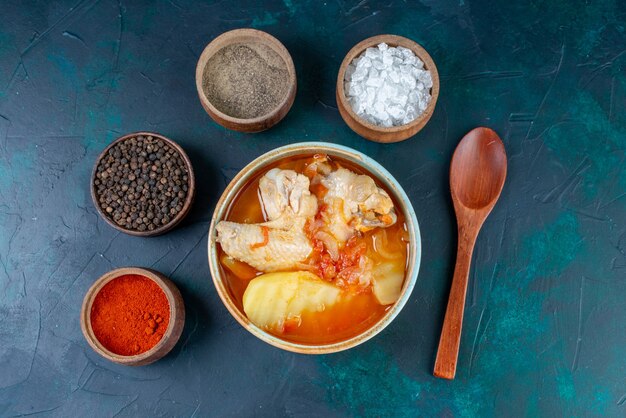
388,279
272,298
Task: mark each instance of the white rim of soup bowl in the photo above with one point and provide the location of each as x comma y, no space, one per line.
381,175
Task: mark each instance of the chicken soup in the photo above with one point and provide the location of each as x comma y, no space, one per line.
313,250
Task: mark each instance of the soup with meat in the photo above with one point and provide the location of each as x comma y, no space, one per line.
313,250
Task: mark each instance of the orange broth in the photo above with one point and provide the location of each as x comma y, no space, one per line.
356,310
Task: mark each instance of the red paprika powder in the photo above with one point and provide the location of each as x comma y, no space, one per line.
130,314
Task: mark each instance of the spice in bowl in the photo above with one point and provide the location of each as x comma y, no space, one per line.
246,80
141,184
130,315
388,86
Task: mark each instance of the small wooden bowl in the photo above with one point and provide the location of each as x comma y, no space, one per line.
191,184
242,36
172,334
380,133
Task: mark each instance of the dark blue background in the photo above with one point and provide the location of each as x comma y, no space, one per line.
545,325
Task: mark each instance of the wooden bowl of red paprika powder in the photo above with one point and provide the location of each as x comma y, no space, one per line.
132,316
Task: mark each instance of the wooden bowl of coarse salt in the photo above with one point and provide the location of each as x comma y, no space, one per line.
246,80
395,100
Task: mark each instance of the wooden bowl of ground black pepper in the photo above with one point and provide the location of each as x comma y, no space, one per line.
119,316
246,80
143,184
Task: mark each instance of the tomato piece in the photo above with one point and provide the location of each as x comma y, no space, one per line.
328,271
320,211
350,255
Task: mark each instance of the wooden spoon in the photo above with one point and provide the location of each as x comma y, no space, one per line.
477,174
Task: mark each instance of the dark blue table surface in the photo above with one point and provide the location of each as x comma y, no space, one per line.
545,325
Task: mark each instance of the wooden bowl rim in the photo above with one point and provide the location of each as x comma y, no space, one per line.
244,35
152,354
394,41
191,184
371,166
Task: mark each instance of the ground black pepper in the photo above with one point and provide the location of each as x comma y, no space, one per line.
245,80
141,183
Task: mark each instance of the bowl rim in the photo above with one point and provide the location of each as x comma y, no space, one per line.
154,353
393,41
382,175
233,36
191,184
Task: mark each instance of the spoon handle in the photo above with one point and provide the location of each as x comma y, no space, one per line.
445,364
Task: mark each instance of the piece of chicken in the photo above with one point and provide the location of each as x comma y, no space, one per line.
285,193
280,243
356,203
264,248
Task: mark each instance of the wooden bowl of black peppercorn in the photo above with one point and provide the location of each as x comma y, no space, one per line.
143,184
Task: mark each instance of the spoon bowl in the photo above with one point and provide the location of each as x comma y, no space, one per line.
477,175
478,169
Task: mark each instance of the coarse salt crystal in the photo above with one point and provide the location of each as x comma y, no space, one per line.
374,82
350,70
387,86
394,76
372,53
396,112
405,51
